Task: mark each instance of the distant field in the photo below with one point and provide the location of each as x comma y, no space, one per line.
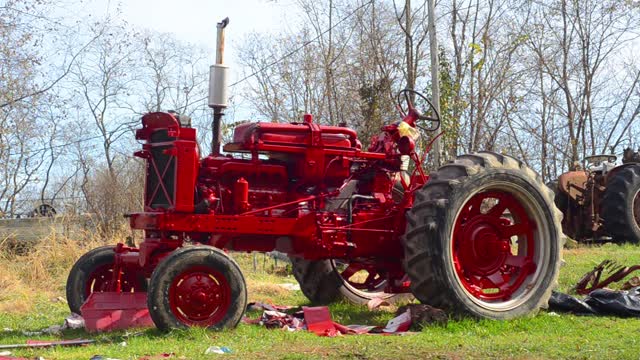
545,335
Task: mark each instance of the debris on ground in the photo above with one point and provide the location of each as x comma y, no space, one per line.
399,324
290,286
423,314
59,299
217,350
622,303
566,303
318,320
594,280
264,306
378,303
100,357
157,357
73,321
631,283
276,316
272,319
47,343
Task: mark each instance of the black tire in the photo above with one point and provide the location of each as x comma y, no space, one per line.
318,281
198,259
560,198
617,209
429,239
83,269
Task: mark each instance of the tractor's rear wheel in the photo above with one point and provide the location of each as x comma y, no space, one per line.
620,207
93,272
560,198
324,281
483,238
197,286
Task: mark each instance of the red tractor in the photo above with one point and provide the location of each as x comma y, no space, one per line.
479,236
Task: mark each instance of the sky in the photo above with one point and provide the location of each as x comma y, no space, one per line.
195,21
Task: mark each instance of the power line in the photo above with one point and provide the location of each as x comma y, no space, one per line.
293,52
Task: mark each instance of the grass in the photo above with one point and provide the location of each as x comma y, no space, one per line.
545,335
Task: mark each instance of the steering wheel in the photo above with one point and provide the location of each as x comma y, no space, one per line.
412,115
597,160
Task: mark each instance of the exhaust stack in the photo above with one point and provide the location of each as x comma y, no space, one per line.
218,74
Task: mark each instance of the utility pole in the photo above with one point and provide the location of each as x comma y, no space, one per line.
408,47
435,83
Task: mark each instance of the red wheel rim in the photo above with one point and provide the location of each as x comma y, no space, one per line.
200,296
494,250
372,282
101,280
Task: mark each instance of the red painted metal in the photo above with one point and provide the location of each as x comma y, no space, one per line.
112,310
493,245
200,296
278,203
241,195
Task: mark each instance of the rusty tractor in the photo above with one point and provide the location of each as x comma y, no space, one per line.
600,200
480,236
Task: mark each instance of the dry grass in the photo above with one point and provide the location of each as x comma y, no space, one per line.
41,271
265,291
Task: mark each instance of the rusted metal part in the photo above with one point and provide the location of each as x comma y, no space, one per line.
579,197
631,283
593,279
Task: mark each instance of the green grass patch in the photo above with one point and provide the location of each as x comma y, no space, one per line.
545,335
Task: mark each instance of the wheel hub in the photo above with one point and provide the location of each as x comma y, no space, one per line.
493,247
483,247
200,296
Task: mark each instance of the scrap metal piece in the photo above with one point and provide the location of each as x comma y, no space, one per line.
631,283
591,280
46,343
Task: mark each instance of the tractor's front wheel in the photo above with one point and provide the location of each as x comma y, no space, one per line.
483,238
197,286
